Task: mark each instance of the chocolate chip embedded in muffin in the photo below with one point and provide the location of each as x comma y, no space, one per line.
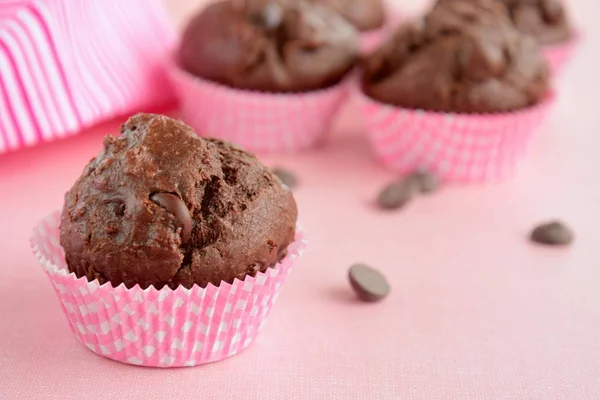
464,56
161,206
365,15
267,14
268,45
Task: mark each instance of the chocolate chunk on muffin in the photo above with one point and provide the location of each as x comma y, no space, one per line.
463,56
365,15
269,45
161,206
546,20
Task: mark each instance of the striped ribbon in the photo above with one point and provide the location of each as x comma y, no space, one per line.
68,64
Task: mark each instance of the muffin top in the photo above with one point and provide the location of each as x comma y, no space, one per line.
161,206
363,14
546,20
269,45
463,56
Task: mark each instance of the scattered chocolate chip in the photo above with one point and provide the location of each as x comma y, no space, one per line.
553,233
369,284
174,205
397,194
286,177
427,182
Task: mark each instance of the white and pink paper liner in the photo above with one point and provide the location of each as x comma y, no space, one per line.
161,328
466,148
559,55
257,121
65,68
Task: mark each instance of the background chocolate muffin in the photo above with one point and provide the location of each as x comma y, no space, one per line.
546,20
161,206
365,15
464,56
274,46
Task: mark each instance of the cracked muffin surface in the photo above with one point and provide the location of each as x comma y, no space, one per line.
546,20
161,206
463,56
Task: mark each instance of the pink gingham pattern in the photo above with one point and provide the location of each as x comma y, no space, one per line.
67,64
257,121
558,55
161,328
458,147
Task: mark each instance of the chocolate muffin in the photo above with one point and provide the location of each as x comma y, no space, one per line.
365,15
161,206
546,20
269,45
463,56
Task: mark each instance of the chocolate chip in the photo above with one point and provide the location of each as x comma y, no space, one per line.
174,205
286,177
368,283
553,233
254,268
397,194
552,10
119,208
426,181
267,14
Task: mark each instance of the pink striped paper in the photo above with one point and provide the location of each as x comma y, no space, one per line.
464,148
67,64
161,328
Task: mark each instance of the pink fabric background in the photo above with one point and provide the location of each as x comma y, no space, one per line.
476,312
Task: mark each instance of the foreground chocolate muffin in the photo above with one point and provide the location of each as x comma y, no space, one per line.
464,56
161,206
365,15
546,20
268,45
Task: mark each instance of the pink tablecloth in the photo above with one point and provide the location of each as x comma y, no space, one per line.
476,312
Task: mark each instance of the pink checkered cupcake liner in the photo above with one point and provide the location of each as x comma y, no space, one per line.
465,148
257,121
161,328
559,55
